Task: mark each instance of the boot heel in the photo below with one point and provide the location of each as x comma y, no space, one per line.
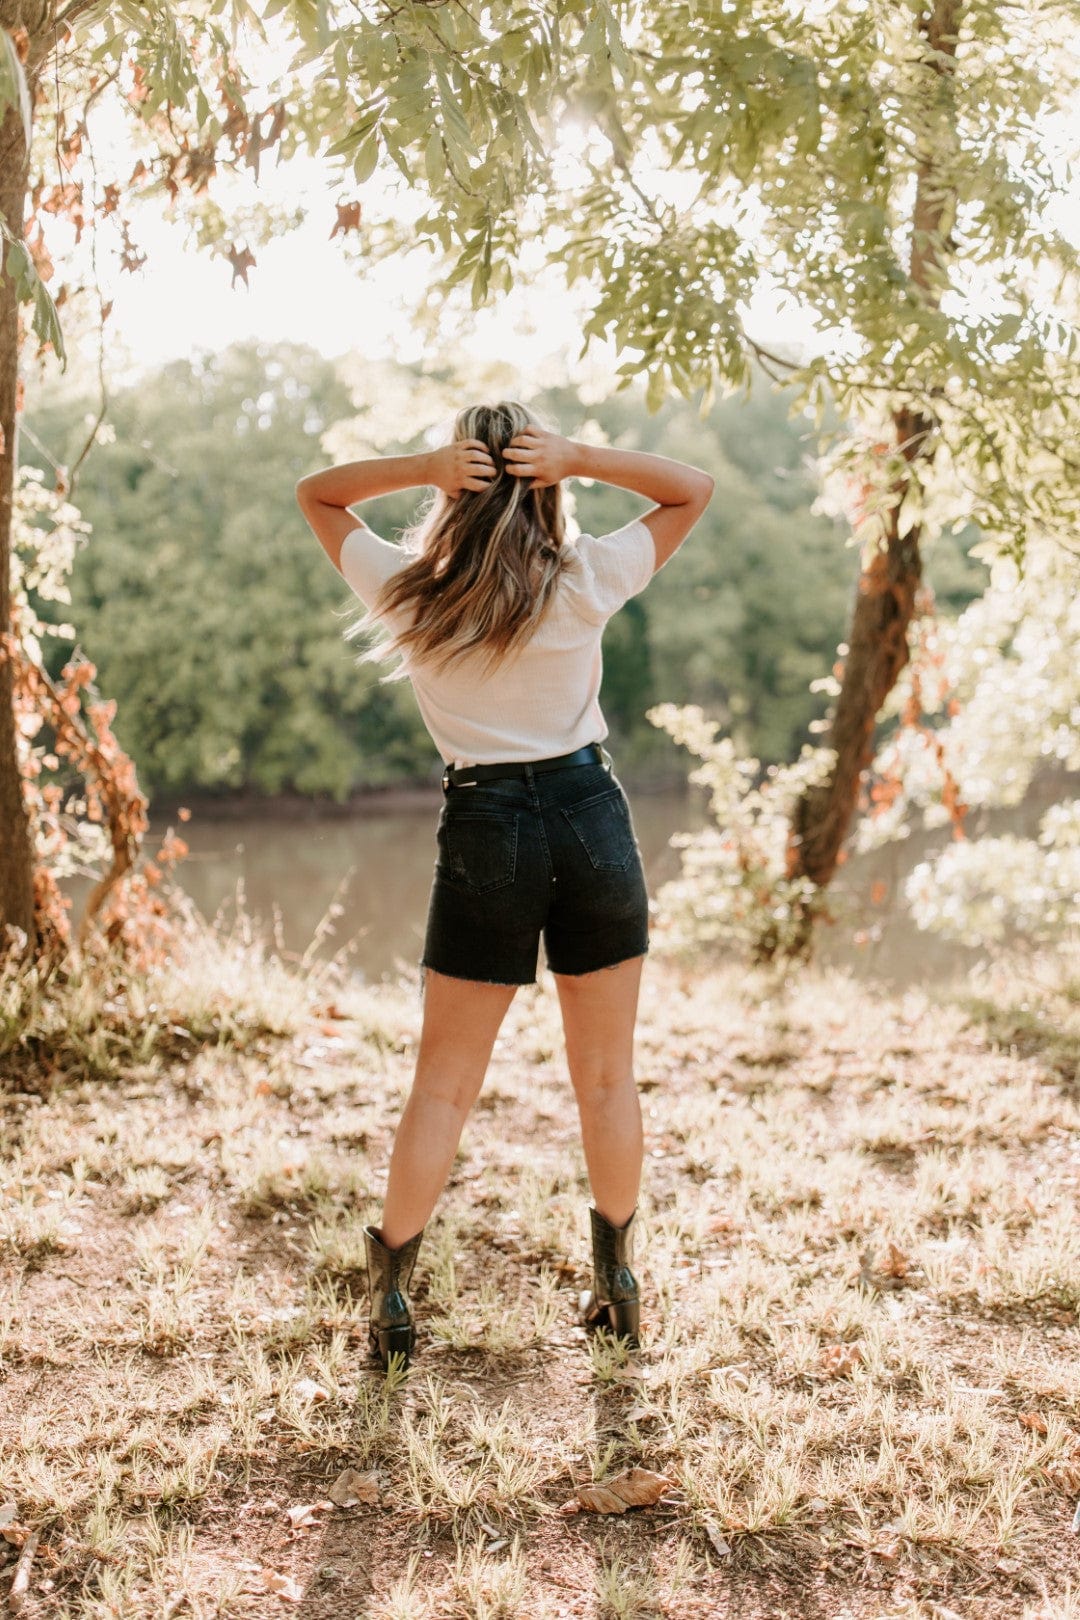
396,1340
624,1317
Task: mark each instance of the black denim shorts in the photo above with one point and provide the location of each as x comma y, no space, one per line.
553,855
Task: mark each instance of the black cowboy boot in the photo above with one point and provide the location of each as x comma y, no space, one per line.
390,1327
613,1300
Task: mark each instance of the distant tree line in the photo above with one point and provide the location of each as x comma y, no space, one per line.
215,620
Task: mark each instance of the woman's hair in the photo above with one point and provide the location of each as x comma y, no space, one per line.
487,561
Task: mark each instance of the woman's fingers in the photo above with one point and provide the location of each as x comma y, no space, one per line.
521,461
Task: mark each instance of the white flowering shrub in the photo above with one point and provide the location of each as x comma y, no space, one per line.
47,531
998,699
733,887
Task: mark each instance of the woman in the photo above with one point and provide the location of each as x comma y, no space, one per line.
497,619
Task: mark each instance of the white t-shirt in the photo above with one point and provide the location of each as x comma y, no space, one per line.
543,699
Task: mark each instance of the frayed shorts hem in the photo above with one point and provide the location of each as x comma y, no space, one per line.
616,961
473,978
563,973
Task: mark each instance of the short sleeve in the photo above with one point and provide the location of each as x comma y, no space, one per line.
617,566
367,562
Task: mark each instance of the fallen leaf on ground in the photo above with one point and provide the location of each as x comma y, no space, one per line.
1065,1473
282,1586
840,1360
719,1545
1034,1421
306,1389
12,1531
892,1271
306,1513
634,1487
895,1263
351,1488
730,1375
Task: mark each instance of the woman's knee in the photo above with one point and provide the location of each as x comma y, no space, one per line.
456,1092
597,1088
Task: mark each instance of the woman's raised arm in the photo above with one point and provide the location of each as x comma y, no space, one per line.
683,491
325,497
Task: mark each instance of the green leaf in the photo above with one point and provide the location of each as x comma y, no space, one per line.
30,289
655,390
434,161
456,128
367,156
13,91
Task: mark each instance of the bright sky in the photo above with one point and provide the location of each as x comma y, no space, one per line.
306,287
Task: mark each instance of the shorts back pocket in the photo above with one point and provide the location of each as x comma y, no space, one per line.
604,828
478,848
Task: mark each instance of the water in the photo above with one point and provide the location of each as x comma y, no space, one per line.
376,863
289,866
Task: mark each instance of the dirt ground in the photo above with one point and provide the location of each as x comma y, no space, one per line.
860,1260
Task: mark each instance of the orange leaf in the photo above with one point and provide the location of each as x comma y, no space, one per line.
634,1487
840,1360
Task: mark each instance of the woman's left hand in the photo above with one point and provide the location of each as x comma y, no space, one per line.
465,464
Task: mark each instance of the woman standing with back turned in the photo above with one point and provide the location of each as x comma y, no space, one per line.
497,619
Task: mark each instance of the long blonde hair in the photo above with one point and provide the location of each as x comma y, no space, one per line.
487,561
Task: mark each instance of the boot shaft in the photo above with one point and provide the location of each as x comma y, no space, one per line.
613,1248
389,1274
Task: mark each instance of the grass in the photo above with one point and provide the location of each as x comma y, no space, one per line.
861,1274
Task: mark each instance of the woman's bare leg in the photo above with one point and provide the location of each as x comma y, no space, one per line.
461,1020
598,1012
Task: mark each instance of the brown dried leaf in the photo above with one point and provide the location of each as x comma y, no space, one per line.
306,1389
351,1488
634,1487
887,1549
840,1360
1034,1421
282,1586
307,1513
1065,1475
895,1263
10,1529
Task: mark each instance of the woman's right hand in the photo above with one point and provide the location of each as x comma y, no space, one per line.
536,453
463,464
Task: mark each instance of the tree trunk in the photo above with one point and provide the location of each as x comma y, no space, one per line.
885,599
16,841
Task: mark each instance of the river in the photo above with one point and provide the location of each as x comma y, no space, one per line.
285,867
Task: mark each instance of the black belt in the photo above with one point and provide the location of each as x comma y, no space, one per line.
469,775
